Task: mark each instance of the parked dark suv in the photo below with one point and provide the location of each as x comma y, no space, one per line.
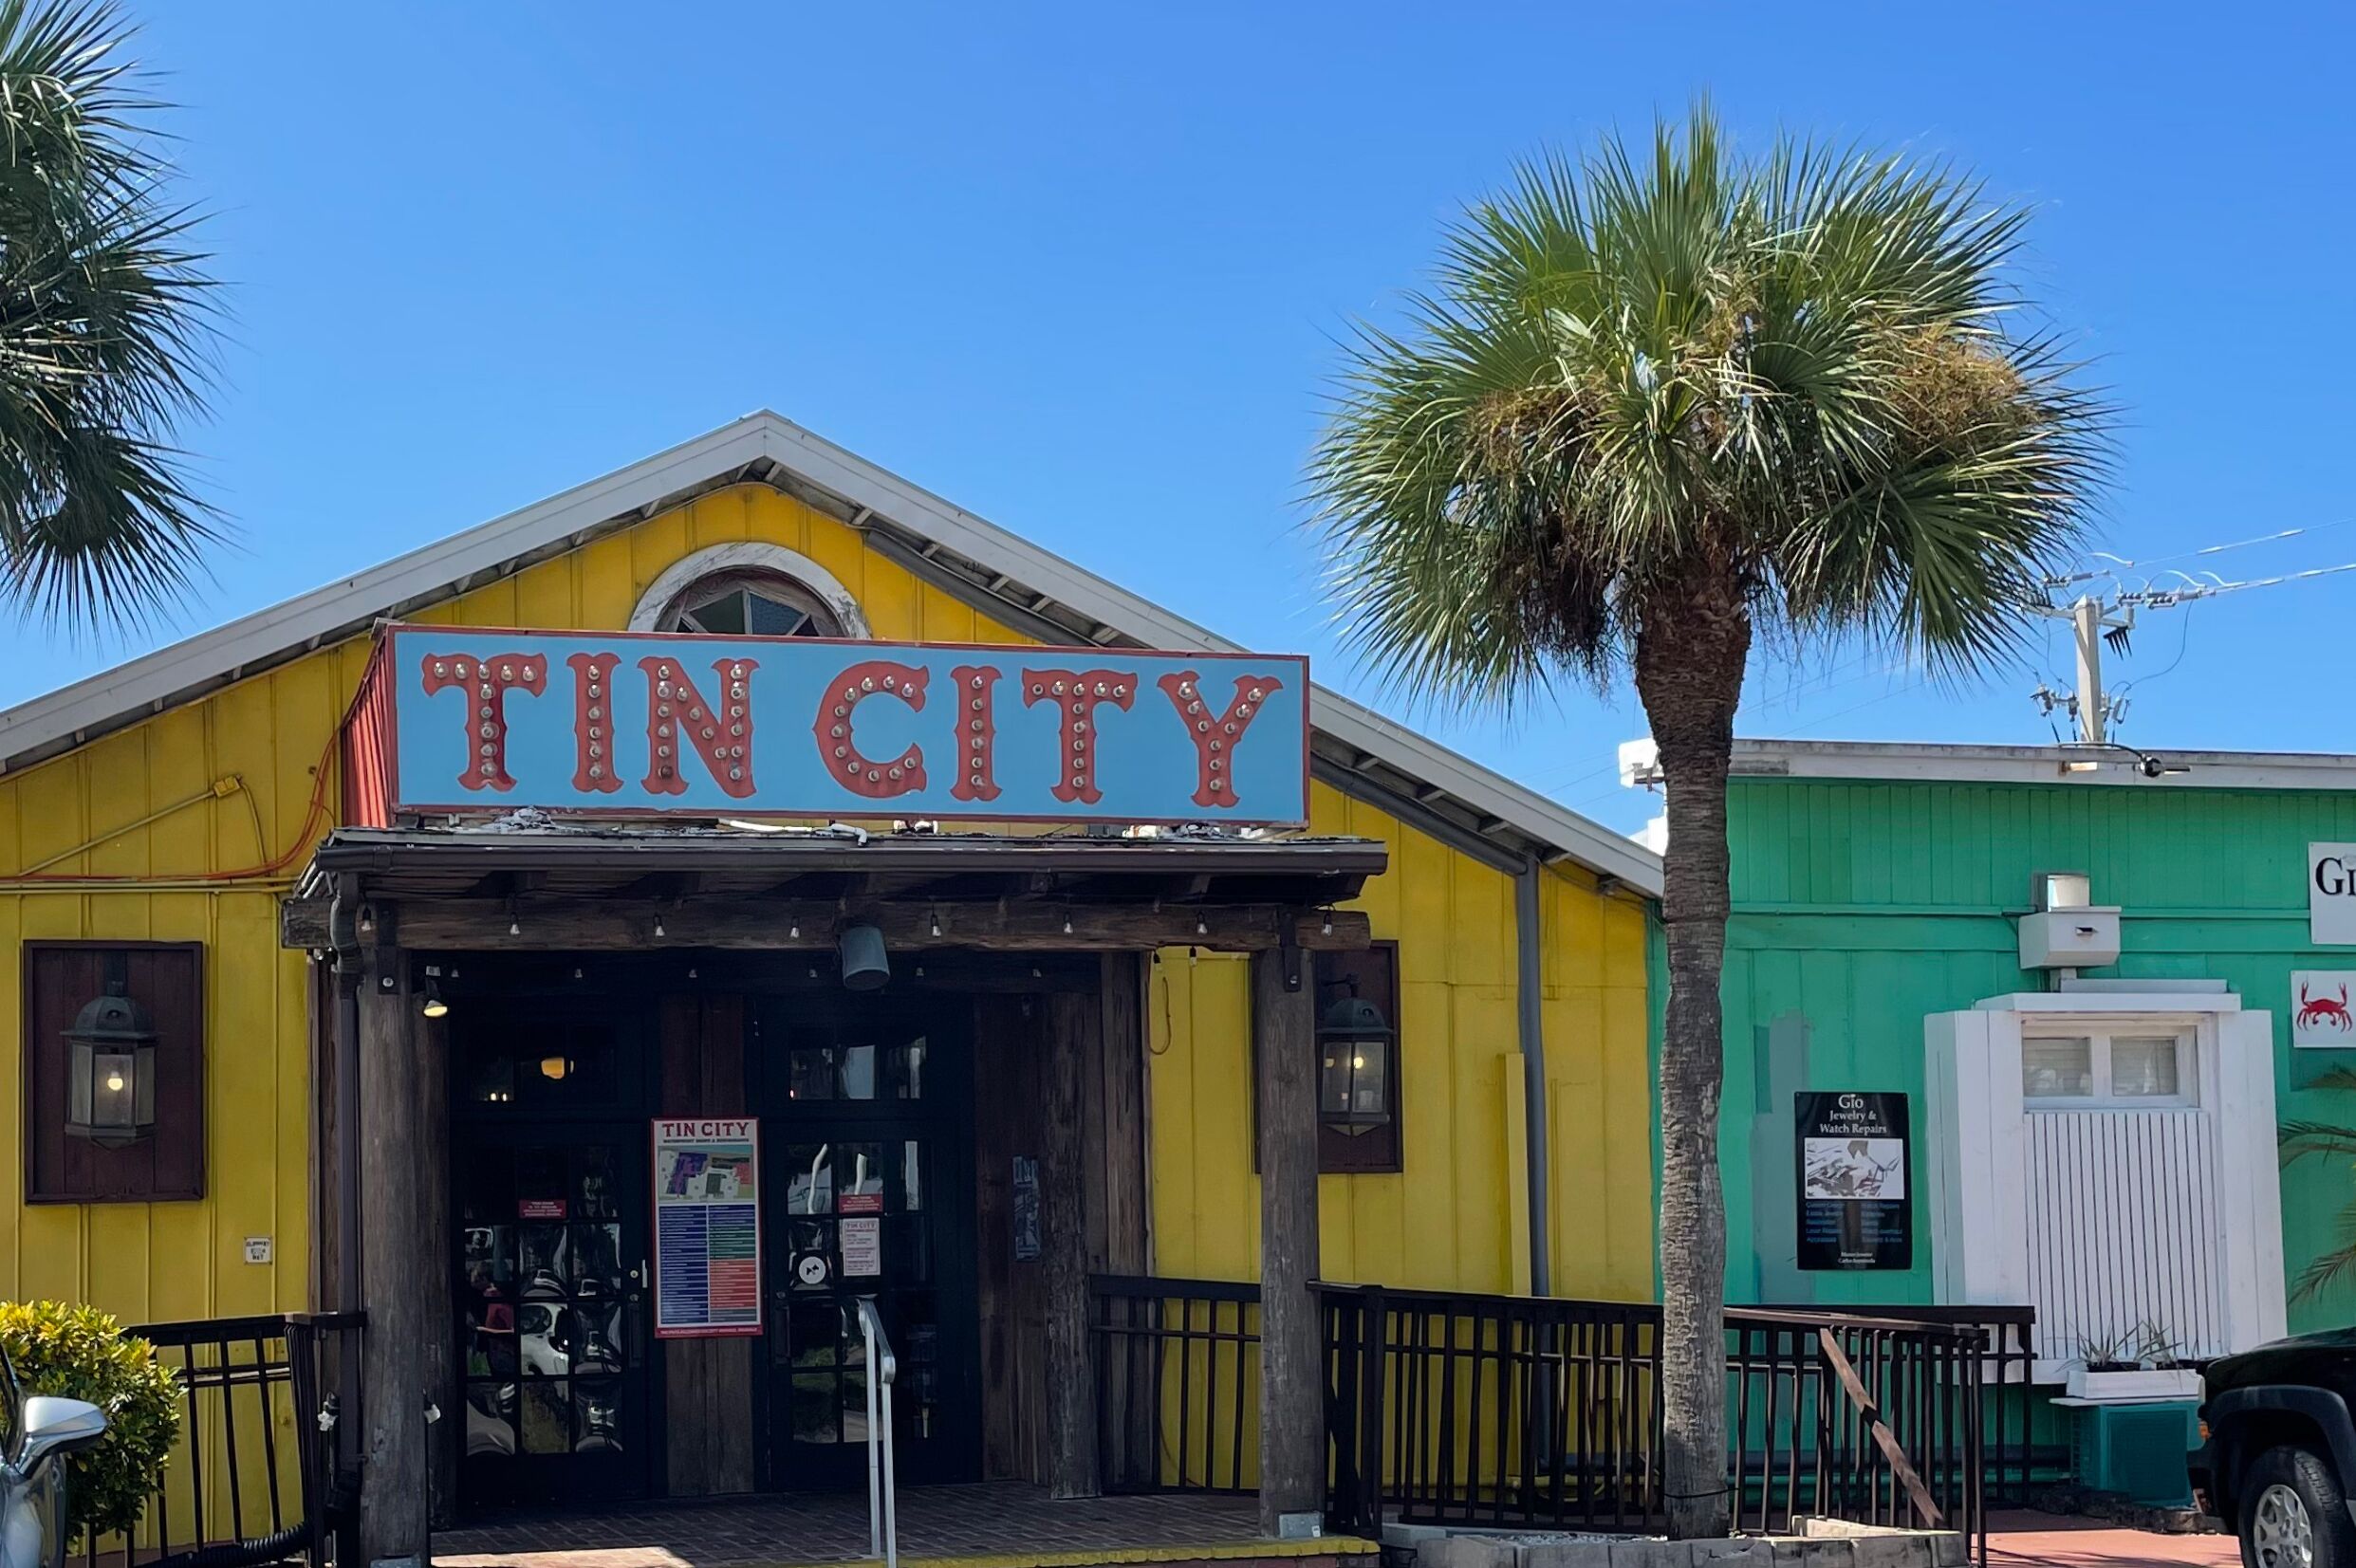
2280,1462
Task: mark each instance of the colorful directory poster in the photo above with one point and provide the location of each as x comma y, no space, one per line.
707,1227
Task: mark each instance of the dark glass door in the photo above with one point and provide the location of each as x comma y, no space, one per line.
868,1132
550,1192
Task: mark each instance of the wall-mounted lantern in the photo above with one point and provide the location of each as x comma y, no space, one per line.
111,1078
1354,1044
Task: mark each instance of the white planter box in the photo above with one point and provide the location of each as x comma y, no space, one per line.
2171,1383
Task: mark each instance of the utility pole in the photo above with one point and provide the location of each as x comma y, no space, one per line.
2090,706
2087,617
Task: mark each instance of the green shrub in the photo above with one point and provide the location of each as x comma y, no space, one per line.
81,1352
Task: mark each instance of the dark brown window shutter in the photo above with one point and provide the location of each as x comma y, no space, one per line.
168,979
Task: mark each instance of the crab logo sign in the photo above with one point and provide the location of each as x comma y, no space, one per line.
2321,1012
2331,895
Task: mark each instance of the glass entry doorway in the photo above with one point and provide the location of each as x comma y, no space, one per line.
549,1185
866,1112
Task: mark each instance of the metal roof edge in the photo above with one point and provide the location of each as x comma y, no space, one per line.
155,680
2067,764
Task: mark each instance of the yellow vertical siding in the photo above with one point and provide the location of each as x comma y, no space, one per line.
1449,1218
156,1261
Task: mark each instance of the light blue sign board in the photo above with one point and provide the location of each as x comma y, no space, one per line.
621,724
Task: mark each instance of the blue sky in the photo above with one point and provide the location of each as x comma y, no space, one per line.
1080,269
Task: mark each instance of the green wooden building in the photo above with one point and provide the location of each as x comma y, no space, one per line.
2085,970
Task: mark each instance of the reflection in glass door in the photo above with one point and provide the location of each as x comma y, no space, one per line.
548,1178
550,1309
871,1133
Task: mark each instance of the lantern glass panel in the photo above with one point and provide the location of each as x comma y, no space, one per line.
1354,1080
77,1087
1369,1076
113,1093
1333,1097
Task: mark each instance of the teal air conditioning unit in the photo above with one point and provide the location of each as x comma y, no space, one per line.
2138,1450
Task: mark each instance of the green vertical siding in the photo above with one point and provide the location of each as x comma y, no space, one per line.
1859,907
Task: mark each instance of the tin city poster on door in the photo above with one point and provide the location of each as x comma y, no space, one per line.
707,1227
1854,1212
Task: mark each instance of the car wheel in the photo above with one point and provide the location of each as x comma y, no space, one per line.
2293,1514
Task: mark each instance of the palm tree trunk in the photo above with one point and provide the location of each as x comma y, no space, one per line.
1689,666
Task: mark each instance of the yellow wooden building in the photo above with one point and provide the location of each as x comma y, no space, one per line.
179,799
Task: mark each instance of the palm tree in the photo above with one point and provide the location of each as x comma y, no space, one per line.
1659,408
103,328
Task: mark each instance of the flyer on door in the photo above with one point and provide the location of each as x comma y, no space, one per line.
707,1226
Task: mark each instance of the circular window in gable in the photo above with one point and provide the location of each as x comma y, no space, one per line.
750,605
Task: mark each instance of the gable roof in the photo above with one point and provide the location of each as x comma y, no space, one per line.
1033,590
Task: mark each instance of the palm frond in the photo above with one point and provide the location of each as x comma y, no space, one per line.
2298,1139
106,328
1663,363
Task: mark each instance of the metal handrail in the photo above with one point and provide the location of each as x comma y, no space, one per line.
882,1369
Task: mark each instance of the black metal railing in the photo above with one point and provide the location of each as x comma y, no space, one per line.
1177,1383
1874,1420
2014,1462
1452,1407
1492,1411
252,1478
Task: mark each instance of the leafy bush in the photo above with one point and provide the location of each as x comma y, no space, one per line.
81,1352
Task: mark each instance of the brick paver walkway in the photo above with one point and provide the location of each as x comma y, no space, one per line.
2017,1540
1009,1518
992,1518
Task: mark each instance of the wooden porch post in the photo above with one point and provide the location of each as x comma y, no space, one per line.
1292,1417
1072,1034
399,1279
445,1384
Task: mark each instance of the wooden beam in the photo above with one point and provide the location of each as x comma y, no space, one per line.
1117,1237
406,1311
555,925
302,923
1071,1037
663,884
506,884
1292,1429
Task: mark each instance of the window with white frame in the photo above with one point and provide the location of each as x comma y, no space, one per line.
2128,1065
758,604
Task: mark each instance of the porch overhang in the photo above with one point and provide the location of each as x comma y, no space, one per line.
574,887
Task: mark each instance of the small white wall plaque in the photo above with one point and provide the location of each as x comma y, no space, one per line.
257,1249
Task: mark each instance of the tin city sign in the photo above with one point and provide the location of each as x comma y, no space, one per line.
621,724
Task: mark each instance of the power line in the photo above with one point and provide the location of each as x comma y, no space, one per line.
2163,599
2119,564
